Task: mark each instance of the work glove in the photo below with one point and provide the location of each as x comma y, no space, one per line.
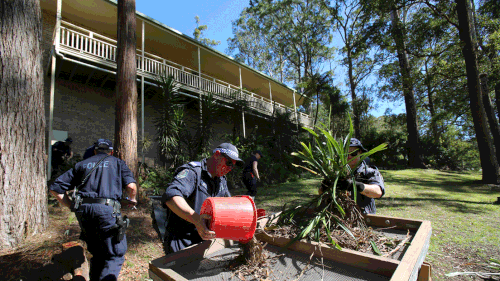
347,185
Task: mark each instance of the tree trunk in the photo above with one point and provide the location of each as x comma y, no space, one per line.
23,185
415,153
497,101
492,121
432,110
489,163
355,103
126,87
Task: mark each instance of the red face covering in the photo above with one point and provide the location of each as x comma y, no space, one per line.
222,164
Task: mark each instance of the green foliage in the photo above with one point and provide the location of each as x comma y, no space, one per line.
276,142
287,39
170,122
198,34
390,129
327,158
154,180
454,151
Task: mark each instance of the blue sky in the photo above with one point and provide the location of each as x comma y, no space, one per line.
218,15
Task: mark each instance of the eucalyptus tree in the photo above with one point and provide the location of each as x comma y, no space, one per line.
359,57
298,31
460,15
388,30
198,34
126,87
23,186
251,45
488,18
439,74
487,32
489,162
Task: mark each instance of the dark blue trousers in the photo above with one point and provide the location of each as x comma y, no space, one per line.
250,183
108,254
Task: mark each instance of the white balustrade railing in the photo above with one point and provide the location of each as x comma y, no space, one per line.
81,41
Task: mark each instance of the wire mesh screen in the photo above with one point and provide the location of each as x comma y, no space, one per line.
289,266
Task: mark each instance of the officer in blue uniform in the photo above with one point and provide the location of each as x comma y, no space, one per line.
250,174
89,151
99,211
61,151
368,180
193,183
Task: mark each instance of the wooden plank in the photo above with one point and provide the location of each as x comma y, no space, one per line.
425,272
375,264
190,254
415,254
165,274
398,223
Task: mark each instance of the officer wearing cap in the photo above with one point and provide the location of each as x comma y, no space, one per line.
99,212
89,151
193,183
61,151
368,180
251,173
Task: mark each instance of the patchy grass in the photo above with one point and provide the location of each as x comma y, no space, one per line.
464,223
464,220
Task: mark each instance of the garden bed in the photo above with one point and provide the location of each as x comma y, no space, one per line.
303,260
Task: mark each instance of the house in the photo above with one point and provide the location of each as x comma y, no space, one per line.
79,56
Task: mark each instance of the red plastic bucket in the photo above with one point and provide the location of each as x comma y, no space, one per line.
233,218
261,213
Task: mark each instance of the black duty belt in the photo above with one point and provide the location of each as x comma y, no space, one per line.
106,201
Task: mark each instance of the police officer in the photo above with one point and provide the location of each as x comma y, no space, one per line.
89,151
61,151
193,183
368,180
99,211
250,174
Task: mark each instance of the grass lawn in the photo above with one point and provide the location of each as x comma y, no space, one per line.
465,223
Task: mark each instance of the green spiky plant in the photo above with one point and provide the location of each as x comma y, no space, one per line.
327,158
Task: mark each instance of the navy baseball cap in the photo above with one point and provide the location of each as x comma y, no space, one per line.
259,152
103,144
356,143
68,140
228,149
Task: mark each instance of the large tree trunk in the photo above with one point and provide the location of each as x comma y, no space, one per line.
415,153
126,87
23,186
489,163
492,120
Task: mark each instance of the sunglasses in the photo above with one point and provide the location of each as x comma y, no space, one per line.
229,161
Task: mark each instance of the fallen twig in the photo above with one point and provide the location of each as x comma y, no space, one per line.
399,245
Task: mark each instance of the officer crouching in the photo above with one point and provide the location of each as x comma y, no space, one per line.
193,183
98,182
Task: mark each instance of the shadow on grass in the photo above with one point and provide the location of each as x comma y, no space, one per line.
450,182
455,206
